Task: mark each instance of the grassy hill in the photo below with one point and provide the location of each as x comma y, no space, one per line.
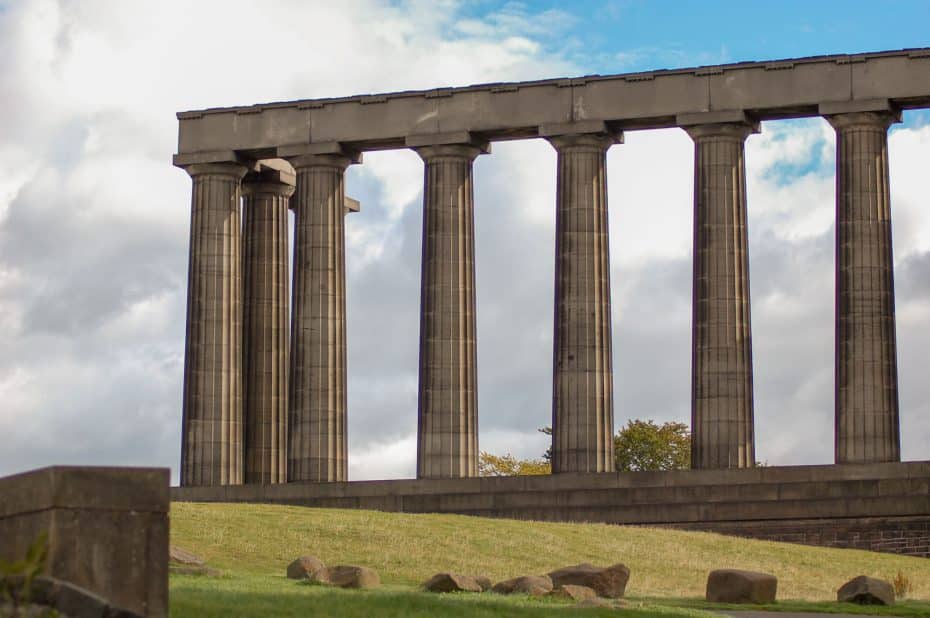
252,545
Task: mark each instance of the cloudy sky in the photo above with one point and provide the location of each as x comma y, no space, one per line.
94,219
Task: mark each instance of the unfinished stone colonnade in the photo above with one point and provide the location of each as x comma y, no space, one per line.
265,400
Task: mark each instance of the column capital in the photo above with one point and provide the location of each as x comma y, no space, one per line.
320,154
219,162
877,120
268,181
580,134
458,144
733,124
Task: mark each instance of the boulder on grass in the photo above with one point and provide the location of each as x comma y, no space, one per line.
573,592
607,582
735,586
454,582
866,591
484,582
304,567
535,585
183,562
347,576
179,555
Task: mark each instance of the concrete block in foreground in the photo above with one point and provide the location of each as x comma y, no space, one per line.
107,529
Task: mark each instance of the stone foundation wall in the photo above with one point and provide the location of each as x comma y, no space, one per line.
882,507
909,536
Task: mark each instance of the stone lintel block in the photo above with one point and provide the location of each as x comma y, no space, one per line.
452,138
212,156
831,108
352,205
107,529
736,116
320,148
580,127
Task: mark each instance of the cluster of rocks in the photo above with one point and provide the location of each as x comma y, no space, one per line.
310,568
47,596
584,583
735,586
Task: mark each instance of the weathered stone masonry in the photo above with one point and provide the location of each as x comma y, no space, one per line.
243,377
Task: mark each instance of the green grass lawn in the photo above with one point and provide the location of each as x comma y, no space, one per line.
252,545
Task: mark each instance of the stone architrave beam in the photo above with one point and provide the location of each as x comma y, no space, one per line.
768,90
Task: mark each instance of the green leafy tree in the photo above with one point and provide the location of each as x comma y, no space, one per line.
643,445
508,465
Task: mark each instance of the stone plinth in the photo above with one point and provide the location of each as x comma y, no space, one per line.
582,398
265,324
317,438
447,431
107,529
211,431
866,356
882,507
721,368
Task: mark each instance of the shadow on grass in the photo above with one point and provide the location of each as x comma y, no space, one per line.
904,608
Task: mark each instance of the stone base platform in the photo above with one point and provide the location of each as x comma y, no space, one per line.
882,507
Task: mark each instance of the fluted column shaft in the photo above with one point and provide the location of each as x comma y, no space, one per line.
317,438
721,375
866,357
211,449
447,440
582,399
265,326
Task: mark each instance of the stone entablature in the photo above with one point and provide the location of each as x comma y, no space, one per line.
234,427
767,90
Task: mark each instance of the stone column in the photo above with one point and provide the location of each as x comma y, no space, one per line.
265,324
211,432
866,357
447,429
721,367
317,438
582,384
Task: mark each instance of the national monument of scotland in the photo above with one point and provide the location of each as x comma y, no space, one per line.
264,403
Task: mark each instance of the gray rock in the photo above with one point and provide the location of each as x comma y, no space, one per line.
178,555
304,567
573,592
607,582
866,591
454,582
484,582
347,576
535,585
735,586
